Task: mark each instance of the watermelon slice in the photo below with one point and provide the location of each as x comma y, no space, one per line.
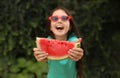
56,49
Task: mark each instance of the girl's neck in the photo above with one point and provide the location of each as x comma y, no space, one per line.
61,38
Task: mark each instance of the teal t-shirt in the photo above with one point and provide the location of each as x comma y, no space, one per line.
65,68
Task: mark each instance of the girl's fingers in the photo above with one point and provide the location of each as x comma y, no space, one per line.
76,54
40,55
79,40
73,56
77,49
42,58
37,49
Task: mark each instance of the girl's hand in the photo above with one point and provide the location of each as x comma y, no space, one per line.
40,55
75,54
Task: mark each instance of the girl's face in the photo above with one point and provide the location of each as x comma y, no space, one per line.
60,24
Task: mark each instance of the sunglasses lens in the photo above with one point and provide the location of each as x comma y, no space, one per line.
54,18
64,18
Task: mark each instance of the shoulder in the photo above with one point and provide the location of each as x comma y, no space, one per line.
73,38
49,37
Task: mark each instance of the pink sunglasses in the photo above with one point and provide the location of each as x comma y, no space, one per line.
56,18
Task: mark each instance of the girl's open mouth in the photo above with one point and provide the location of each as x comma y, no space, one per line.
59,27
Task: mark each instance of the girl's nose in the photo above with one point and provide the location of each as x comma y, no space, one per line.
59,20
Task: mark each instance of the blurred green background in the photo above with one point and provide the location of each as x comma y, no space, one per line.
22,20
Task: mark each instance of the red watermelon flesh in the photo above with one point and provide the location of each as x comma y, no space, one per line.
56,49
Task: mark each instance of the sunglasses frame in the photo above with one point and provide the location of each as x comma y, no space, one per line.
68,18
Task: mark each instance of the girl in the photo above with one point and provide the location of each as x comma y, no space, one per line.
61,27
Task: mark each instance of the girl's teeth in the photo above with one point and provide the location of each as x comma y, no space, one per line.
59,26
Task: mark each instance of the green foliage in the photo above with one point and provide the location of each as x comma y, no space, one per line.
22,20
23,68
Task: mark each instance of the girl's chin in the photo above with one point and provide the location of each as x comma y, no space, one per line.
60,35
